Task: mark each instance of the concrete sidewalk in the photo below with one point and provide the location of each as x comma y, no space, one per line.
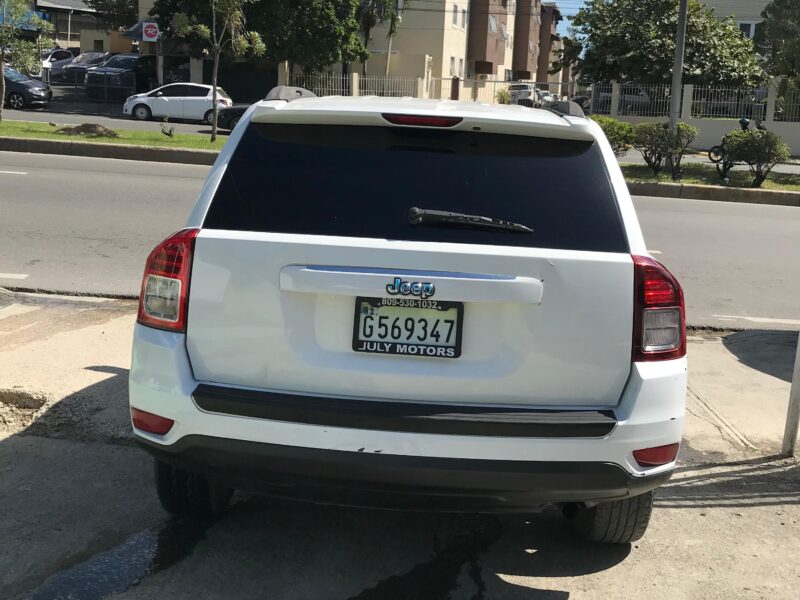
80,517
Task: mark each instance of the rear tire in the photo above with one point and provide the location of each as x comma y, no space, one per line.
617,522
182,493
234,122
715,154
208,118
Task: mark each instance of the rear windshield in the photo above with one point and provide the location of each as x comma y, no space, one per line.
363,181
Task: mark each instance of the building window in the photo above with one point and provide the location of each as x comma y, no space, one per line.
463,18
461,67
748,28
455,15
97,45
452,66
492,24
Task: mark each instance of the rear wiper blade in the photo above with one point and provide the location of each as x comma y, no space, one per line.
421,216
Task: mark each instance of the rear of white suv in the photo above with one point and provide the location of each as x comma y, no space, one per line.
361,311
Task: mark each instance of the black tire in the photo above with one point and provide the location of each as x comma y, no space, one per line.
715,154
16,100
234,122
187,494
617,522
141,112
208,118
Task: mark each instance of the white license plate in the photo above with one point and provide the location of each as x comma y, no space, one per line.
408,326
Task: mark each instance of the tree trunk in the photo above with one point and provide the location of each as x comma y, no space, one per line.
388,55
364,62
214,95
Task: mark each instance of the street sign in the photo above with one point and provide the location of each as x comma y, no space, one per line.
150,32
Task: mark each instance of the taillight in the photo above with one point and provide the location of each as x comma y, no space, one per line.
659,316
150,423
654,457
165,285
422,120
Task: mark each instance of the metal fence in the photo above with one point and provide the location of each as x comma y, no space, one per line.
787,107
323,84
729,103
97,86
644,100
599,102
396,86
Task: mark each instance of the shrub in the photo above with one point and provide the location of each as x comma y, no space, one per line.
657,144
760,150
650,140
620,134
503,97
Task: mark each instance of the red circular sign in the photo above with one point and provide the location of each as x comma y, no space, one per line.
150,31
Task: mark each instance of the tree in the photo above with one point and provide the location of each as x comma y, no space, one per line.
20,53
115,14
370,14
222,29
309,33
778,39
634,40
620,134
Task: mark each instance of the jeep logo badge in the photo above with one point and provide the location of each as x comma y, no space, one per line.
416,288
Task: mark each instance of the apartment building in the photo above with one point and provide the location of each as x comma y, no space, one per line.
747,13
549,42
430,42
527,22
490,47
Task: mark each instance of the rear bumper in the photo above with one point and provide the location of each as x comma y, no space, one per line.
400,482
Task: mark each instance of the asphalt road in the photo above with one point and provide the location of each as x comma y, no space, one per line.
86,225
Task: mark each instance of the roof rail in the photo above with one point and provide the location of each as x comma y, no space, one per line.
565,108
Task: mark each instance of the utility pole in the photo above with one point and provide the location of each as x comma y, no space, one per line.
793,412
677,68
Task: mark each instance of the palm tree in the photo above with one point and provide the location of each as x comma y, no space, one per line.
370,14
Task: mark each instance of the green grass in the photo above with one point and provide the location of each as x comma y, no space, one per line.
152,138
706,174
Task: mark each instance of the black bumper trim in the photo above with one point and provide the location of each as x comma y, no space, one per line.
411,417
400,482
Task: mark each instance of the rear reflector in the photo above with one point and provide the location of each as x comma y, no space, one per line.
422,120
659,317
150,423
654,457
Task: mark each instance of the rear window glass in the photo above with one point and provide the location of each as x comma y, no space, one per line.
362,182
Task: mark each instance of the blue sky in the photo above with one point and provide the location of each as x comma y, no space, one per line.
567,7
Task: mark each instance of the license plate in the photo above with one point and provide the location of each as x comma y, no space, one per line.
408,326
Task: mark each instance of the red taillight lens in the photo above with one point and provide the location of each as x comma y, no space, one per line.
659,315
165,285
422,120
654,457
150,423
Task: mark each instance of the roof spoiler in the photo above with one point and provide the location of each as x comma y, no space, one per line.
289,93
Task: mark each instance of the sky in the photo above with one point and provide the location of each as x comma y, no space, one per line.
567,8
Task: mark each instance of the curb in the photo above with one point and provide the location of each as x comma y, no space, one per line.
100,150
713,192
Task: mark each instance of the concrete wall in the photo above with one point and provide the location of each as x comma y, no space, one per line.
112,41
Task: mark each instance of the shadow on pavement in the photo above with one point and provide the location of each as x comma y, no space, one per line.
771,352
765,481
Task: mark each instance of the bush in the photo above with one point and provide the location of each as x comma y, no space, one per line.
503,97
657,144
620,134
760,150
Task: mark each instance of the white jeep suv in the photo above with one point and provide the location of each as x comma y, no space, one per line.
361,310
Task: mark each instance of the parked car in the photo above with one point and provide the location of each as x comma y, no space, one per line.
55,54
24,92
525,94
228,118
397,346
121,75
634,99
189,101
75,72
